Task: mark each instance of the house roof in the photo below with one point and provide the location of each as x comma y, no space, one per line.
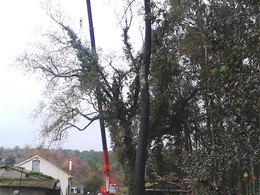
51,184
41,159
29,179
28,160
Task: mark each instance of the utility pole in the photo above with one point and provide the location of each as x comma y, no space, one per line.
70,173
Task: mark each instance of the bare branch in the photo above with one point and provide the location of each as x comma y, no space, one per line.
126,9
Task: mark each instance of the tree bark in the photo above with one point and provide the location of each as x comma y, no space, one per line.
140,162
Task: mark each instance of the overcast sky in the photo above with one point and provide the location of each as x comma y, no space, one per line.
19,93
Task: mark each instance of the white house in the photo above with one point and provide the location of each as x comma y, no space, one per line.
39,164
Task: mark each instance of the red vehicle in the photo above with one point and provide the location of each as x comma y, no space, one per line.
110,187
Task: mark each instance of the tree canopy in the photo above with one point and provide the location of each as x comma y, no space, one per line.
205,105
202,97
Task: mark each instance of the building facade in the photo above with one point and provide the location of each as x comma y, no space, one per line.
39,164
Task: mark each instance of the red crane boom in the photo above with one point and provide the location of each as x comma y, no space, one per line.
110,187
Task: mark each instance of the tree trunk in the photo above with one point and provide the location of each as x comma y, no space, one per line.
140,162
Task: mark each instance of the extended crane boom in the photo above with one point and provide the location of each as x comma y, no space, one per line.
110,187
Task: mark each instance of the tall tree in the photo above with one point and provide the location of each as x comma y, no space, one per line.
201,55
212,52
73,75
140,162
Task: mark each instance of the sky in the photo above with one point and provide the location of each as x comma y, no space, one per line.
20,93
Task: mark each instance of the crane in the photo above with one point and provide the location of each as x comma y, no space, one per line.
110,187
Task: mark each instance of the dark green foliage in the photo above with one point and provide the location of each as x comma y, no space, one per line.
93,184
10,160
205,96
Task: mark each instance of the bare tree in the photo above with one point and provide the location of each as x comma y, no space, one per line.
73,73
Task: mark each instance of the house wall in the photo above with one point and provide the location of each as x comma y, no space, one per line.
48,168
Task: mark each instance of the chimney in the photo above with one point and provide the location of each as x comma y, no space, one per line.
70,165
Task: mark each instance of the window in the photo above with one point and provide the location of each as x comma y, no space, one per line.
36,165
